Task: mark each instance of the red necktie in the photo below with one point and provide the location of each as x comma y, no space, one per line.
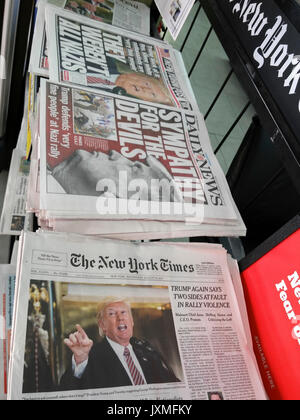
96,80
135,374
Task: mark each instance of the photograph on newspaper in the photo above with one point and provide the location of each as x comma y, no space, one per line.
96,321
100,151
99,10
136,321
92,54
175,13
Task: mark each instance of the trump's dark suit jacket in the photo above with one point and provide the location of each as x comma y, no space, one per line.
104,369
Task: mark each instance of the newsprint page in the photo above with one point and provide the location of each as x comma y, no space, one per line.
131,15
173,307
127,14
114,133
93,54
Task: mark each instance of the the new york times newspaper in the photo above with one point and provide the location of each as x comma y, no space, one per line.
173,306
126,14
117,157
92,54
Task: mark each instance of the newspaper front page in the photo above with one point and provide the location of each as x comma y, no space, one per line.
92,54
121,158
174,306
132,15
127,14
7,286
174,13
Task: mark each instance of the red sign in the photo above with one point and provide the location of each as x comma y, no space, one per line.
272,289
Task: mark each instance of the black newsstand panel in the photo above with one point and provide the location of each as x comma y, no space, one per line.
263,45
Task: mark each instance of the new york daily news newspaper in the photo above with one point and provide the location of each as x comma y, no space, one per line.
92,54
144,140
127,14
117,229
156,59
131,230
191,292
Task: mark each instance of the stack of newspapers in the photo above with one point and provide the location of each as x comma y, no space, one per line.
178,307
112,148
120,148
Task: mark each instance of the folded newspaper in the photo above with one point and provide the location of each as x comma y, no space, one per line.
91,54
104,157
107,155
14,217
127,14
102,319
174,13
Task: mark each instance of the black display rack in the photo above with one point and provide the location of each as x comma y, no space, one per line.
16,71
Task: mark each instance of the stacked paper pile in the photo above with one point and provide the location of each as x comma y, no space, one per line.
179,307
121,149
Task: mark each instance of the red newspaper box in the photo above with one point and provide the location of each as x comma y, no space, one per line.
271,281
